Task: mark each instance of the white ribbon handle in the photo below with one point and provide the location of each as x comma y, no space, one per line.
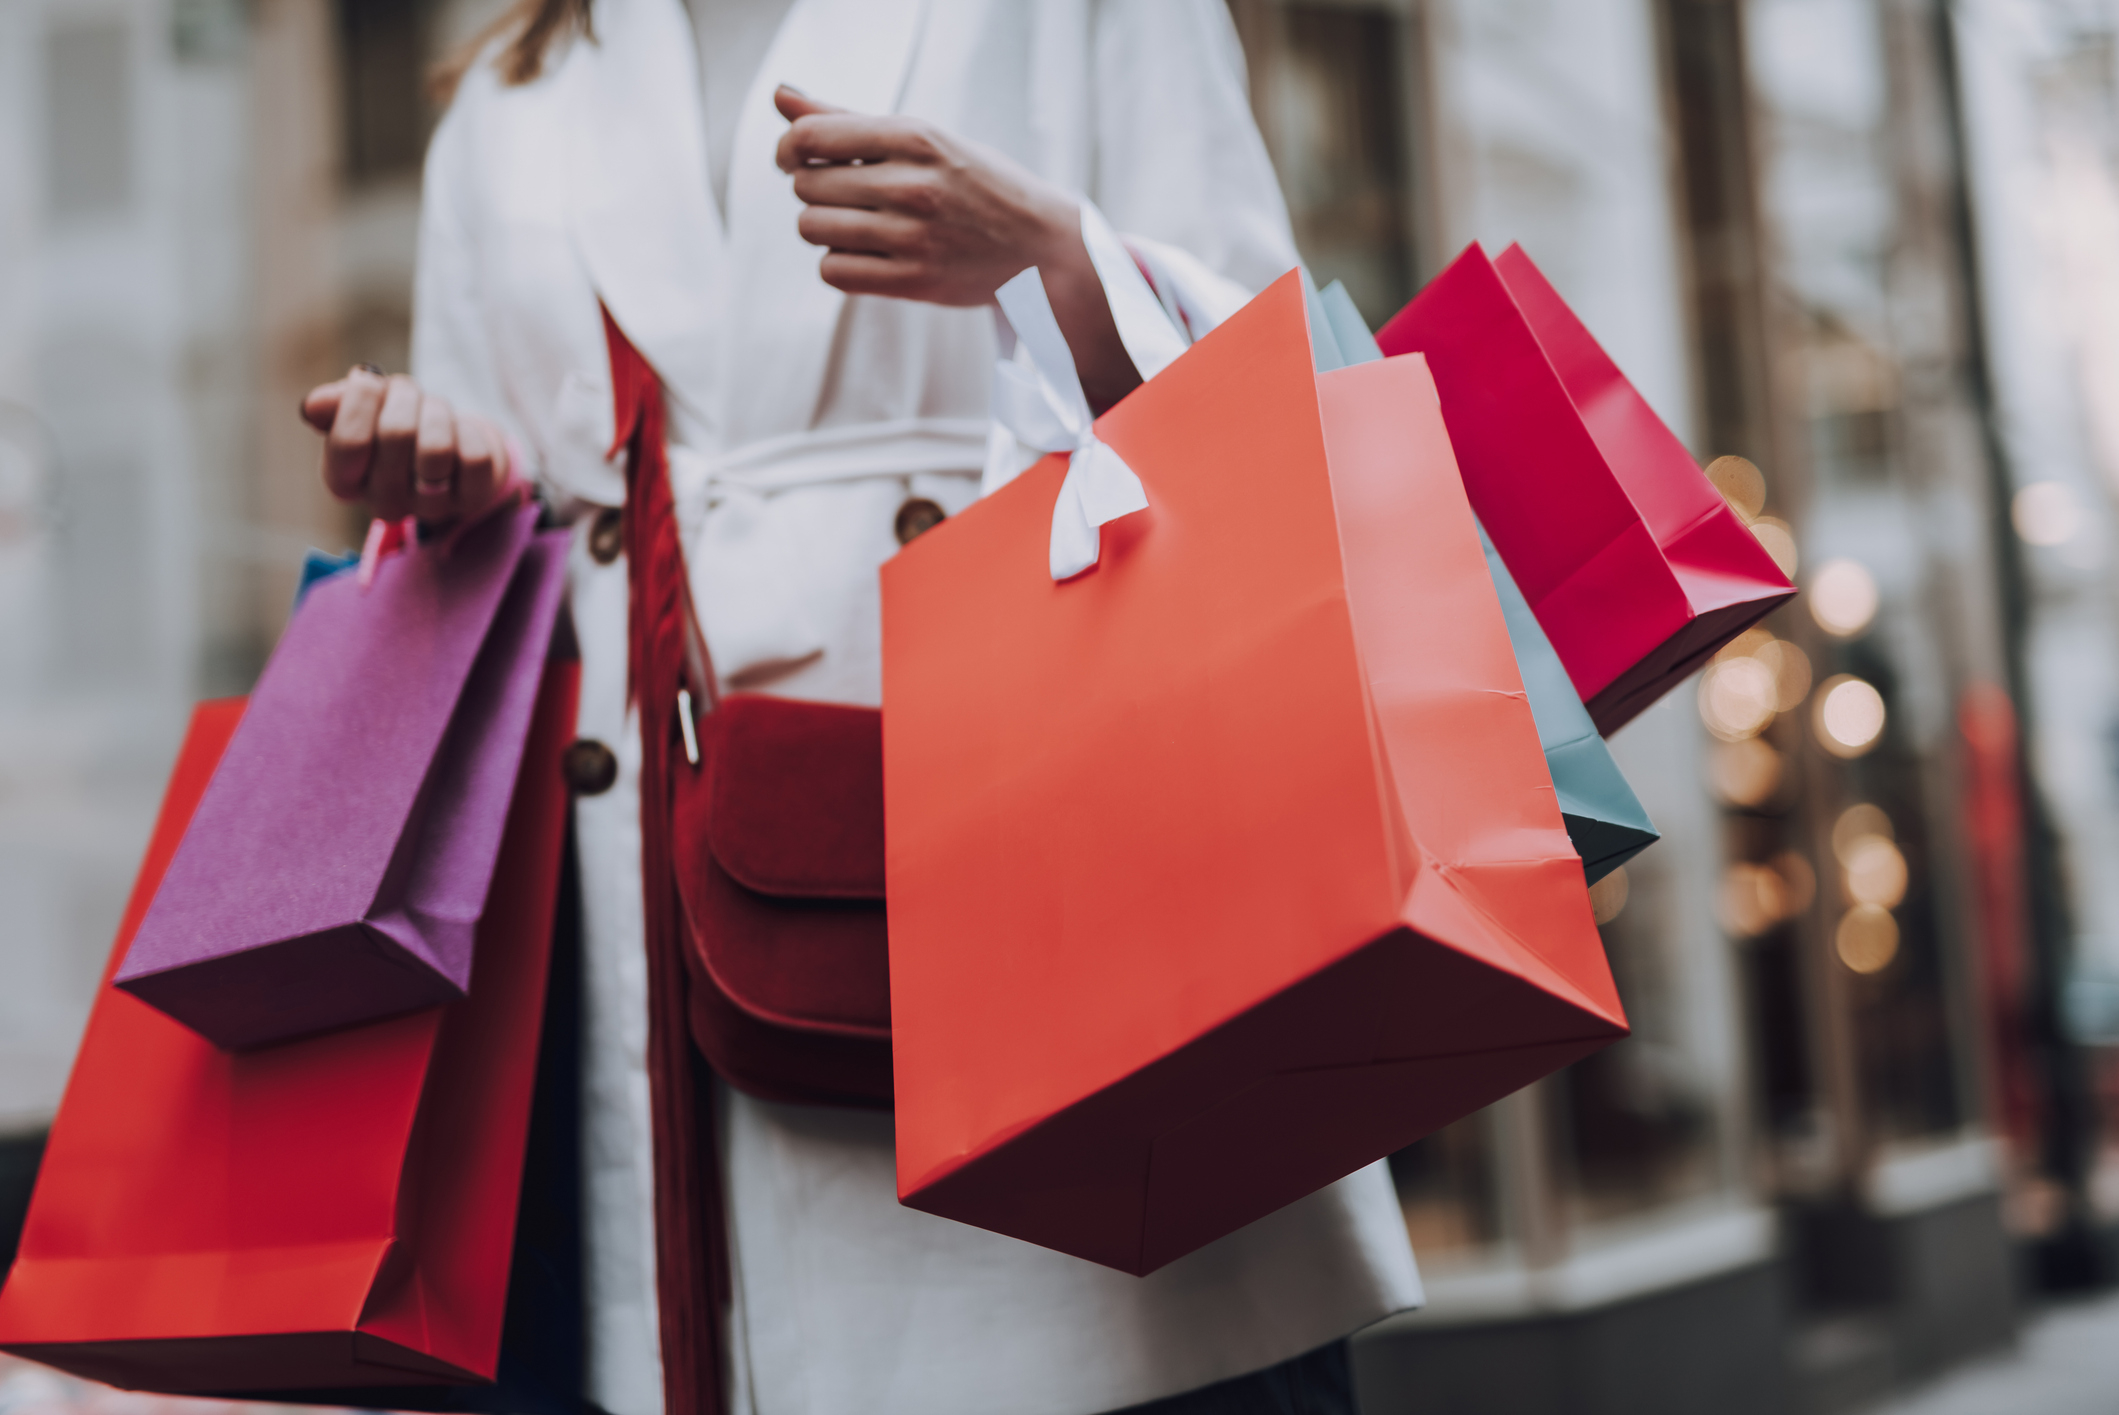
1051,413
1043,407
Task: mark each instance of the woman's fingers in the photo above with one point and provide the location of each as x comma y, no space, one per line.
854,137
840,186
909,187
845,228
349,449
793,103
396,441
859,274
481,463
320,404
407,452
434,461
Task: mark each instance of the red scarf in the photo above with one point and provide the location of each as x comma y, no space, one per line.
691,1259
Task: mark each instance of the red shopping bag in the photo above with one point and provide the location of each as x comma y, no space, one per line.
332,1212
1232,865
1637,569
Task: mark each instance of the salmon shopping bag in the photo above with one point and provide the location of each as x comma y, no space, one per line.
1603,816
335,868
1636,566
1232,865
332,1213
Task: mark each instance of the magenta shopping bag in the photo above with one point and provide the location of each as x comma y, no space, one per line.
340,858
1637,569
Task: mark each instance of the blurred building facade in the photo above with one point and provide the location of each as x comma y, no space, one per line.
206,207
1867,251
1849,249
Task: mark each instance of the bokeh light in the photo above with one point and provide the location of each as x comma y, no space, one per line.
1791,672
1855,822
1850,716
1799,878
1737,698
1745,773
1741,483
2045,513
1842,597
1608,896
1867,938
1779,540
1752,899
1876,872
1754,677
1745,644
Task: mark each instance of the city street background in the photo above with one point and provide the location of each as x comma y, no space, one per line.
1861,1152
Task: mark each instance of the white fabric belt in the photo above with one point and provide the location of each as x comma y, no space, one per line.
855,452
746,563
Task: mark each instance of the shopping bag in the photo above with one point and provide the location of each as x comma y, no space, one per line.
1233,864
336,866
542,1363
1634,564
335,1212
319,566
1604,818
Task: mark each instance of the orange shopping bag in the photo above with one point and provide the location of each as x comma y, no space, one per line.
334,1212
1233,865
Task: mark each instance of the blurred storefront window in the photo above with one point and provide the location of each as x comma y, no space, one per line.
1330,85
1449,1191
88,127
206,206
2041,89
1639,1128
1868,296
383,49
1364,108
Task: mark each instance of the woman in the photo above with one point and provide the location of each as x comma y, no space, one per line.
680,169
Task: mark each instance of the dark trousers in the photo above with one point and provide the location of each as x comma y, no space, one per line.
1320,1383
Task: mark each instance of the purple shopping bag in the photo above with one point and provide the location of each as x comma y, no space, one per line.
340,858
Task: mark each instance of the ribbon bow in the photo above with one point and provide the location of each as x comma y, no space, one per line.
1051,414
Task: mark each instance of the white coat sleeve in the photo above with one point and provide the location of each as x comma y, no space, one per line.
1179,165
452,344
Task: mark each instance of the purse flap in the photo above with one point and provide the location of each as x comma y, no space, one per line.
797,806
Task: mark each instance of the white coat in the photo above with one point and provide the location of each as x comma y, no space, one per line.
802,419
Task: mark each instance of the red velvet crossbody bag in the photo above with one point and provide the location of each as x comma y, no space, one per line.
777,839
769,813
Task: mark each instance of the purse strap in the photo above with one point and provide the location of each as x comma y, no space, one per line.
670,678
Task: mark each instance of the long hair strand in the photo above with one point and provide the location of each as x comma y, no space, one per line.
535,26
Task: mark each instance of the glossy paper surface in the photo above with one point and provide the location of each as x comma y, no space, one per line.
1636,567
330,1212
1234,864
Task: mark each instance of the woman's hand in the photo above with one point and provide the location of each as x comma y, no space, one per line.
405,451
908,210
